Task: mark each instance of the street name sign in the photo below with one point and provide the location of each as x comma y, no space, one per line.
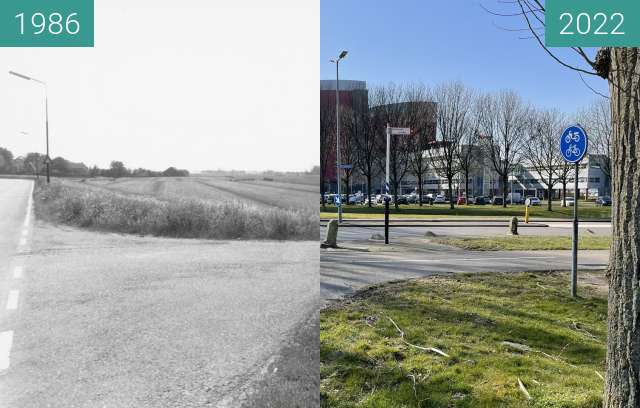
573,144
346,166
400,131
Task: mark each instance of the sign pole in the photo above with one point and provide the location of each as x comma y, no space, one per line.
574,246
386,187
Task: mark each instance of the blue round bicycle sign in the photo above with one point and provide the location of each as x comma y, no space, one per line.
573,144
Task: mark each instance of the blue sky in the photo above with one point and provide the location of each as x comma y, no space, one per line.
434,41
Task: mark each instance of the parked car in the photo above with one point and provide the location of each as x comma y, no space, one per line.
497,200
517,198
461,201
534,201
439,199
356,198
603,201
481,200
427,199
411,198
402,200
569,201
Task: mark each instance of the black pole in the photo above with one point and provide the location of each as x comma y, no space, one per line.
574,246
386,220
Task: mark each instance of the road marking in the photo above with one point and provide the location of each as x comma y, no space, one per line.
570,225
23,241
25,232
17,272
512,258
12,301
6,340
27,217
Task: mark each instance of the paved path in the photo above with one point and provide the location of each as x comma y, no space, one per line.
344,271
109,320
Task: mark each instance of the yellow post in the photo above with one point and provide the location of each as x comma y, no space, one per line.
526,214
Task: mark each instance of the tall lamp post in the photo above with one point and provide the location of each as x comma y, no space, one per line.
46,109
338,164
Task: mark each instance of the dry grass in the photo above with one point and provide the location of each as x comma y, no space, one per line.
95,207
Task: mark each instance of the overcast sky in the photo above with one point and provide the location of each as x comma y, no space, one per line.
195,84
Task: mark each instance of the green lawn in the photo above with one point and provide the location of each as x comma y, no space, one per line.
525,242
586,210
556,344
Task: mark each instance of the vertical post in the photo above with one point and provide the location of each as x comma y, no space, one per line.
386,186
46,109
338,172
574,246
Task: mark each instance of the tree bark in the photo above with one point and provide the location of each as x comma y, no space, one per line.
466,187
420,189
322,191
549,192
564,193
450,180
369,189
622,387
505,181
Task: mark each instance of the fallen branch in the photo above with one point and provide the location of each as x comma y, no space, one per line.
599,375
523,389
432,349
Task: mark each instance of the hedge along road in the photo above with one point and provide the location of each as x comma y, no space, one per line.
115,320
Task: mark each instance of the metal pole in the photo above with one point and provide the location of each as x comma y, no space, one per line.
574,246
386,201
338,173
46,109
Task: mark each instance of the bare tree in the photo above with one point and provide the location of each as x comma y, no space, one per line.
420,116
365,146
327,141
454,105
503,121
541,151
470,157
620,66
596,121
388,106
349,132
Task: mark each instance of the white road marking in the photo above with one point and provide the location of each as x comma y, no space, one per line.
17,272
6,340
27,217
25,232
513,258
23,241
568,225
12,301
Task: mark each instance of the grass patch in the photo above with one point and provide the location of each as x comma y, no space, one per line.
364,362
587,210
525,242
80,205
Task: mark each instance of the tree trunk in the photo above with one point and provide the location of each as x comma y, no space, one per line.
347,186
622,387
466,187
549,192
450,180
564,193
369,188
322,191
505,181
420,188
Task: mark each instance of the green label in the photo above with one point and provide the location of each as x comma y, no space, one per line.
592,23
46,23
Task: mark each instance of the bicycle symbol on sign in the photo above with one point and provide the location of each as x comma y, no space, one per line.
573,150
572,136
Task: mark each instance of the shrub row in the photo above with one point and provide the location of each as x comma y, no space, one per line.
82,206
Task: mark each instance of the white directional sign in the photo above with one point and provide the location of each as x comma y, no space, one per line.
400,131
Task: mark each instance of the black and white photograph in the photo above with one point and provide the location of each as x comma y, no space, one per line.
158,210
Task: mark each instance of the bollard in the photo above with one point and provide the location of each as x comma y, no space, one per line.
513,226
331,239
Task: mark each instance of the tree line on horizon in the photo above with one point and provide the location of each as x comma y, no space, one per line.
34,164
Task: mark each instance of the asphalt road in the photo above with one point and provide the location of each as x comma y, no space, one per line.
365,262
465,228
109,320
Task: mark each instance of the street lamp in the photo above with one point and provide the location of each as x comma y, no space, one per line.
342,55
46,109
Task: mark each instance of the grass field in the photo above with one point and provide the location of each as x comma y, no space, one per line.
299,193
587,210
494,329
525,242
170,207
